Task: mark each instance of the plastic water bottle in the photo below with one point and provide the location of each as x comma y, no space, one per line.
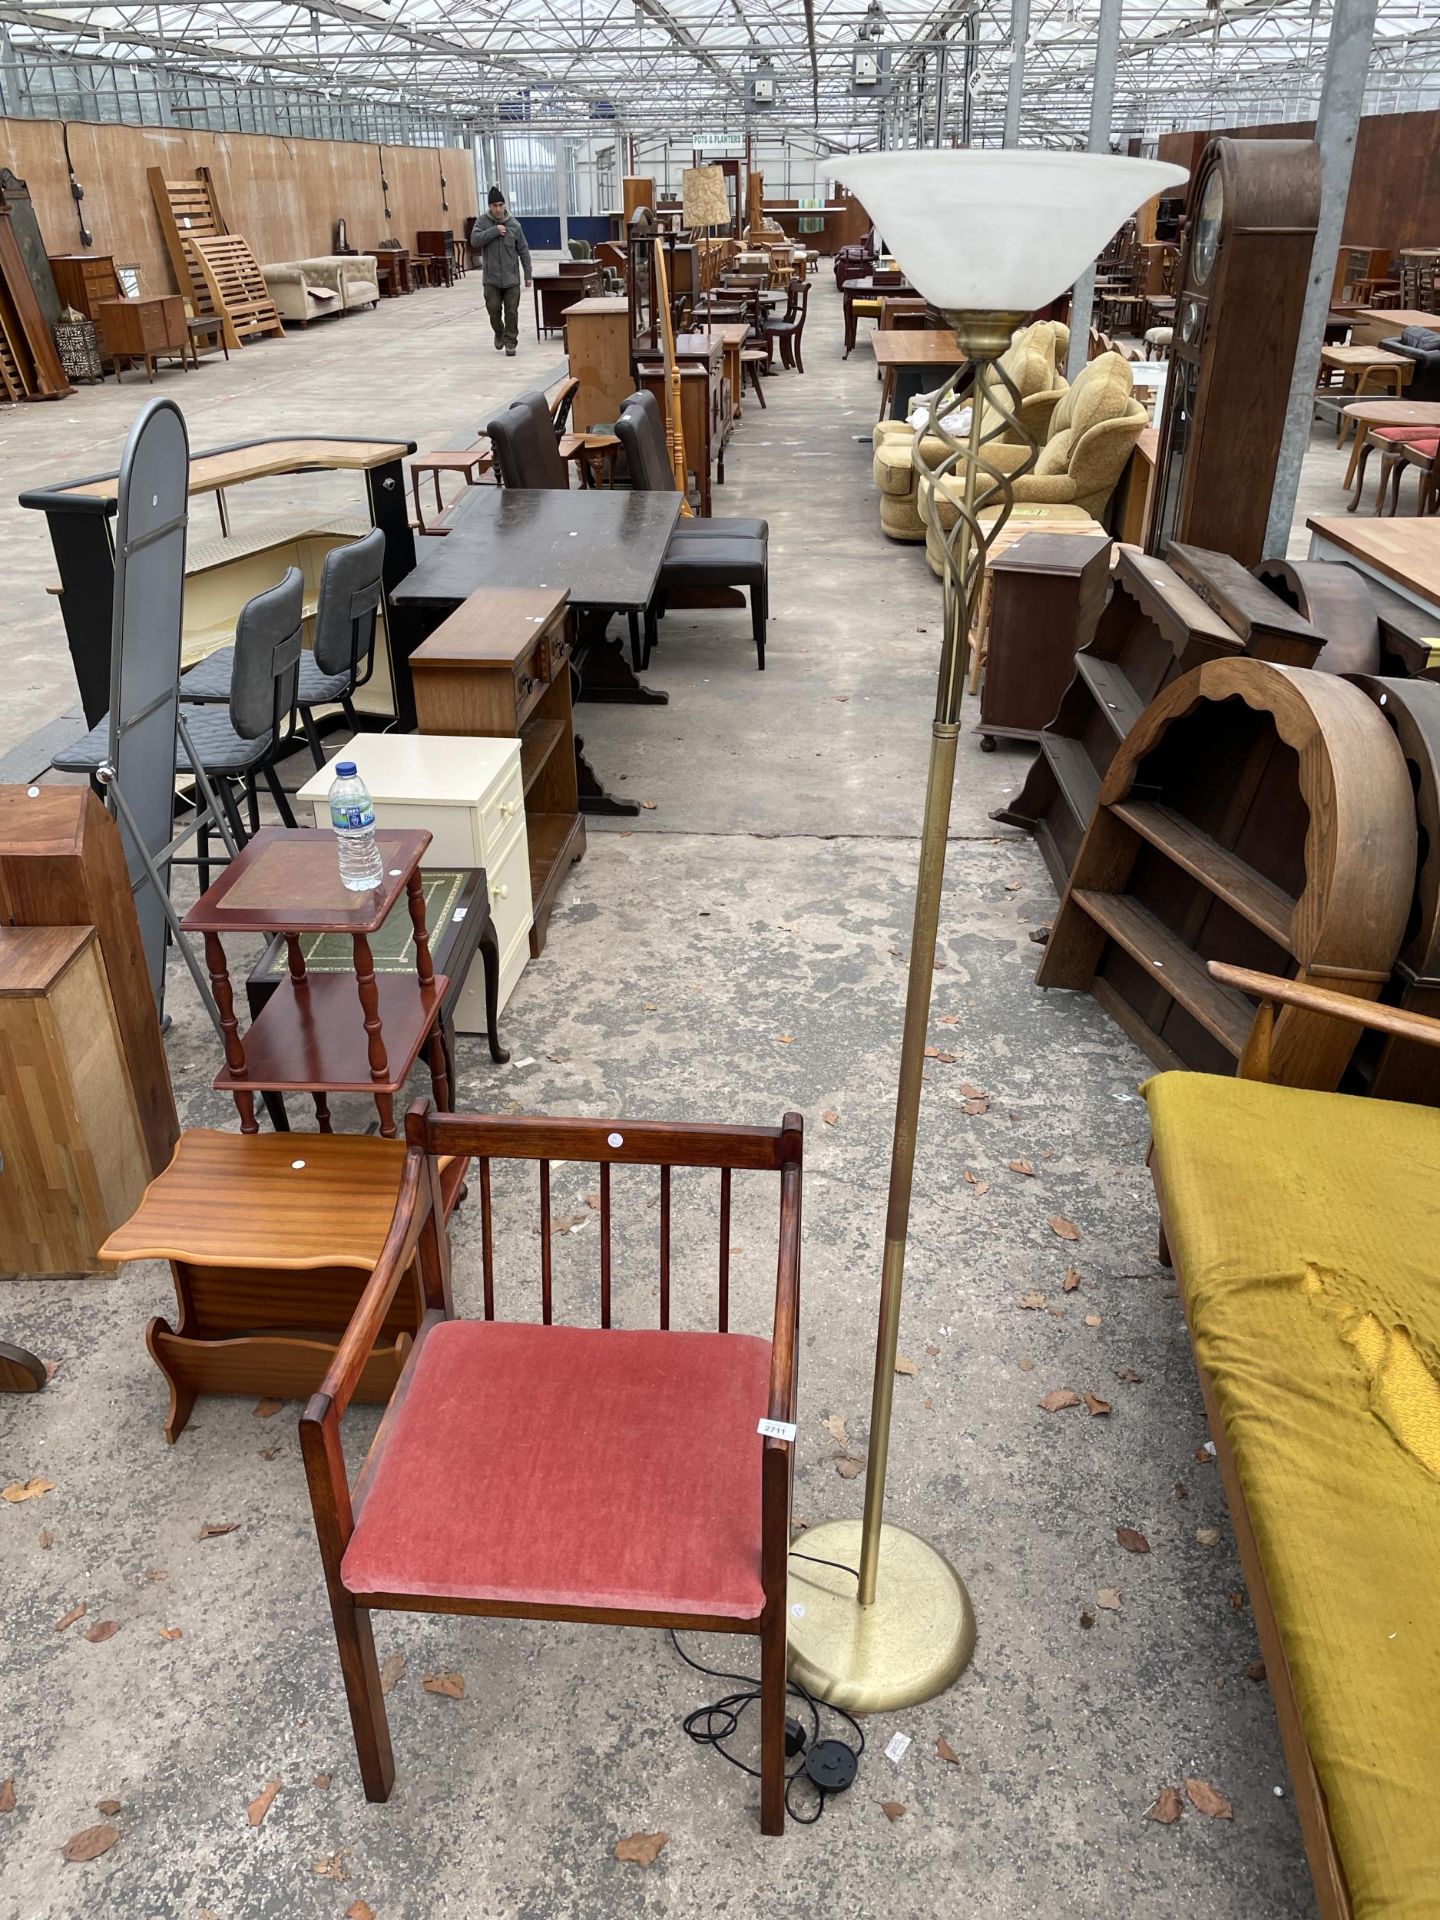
352,814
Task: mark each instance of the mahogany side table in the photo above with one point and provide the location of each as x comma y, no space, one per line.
311,1037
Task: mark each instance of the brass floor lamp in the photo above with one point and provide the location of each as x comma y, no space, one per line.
987,236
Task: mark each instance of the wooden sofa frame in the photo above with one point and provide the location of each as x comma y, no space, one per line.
1331,1892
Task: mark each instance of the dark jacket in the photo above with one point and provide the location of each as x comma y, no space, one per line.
504,254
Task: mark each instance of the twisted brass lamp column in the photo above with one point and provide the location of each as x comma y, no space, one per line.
905,1629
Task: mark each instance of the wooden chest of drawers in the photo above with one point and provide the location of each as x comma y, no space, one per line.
143,329
500,665
83,280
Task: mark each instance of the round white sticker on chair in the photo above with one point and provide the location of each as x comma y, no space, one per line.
297,1165
617,1140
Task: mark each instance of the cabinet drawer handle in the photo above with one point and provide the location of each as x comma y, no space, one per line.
526,683
500,893
507,807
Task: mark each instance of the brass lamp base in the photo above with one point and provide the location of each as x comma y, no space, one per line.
914,1642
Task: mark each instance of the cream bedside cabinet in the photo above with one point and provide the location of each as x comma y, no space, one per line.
467,791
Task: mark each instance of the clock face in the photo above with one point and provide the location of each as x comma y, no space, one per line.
1190,321
1207,227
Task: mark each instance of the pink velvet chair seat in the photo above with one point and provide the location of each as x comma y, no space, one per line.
564,1467
1426,438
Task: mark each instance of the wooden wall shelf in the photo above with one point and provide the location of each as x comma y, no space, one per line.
1258,814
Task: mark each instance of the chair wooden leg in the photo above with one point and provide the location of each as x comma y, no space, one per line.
758,612
367,1703
772,1725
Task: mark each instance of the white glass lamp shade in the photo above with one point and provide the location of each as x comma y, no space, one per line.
1000,229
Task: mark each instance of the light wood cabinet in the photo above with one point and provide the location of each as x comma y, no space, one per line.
597,344
73,1163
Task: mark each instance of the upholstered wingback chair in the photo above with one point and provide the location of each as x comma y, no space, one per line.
1031,360
1092,431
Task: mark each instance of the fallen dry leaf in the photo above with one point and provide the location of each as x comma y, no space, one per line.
155,1573
1058,1399
19,1490
90,1843
1066,1229
47,1539
934,1053
359,1910
107,1806
649,805
847,1469
1026,1365
1072,1277
907,1367
267,1409
973,1093
946,1751
213,1529
1109,1598
892,1809
1129,1376
1132,1540
172,1633
975,1106
261,1804
1093,1320
330,1866
1032,1302
7,1796
1167,1807
1182,1492
450,1685
1237,1602
949,1019
1087,1619
932,1351
834,1425
1206,1799
1207,1536
1203,1455
1255,1671
1095,1406
787,1039
1022,1166
102,1630
929,1406
68,1619
830,1117
392,1672
982,1186
321,1780
592,1200
641,1849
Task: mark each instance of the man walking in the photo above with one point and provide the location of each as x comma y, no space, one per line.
499,239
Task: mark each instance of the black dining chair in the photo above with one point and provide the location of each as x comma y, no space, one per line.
341,657
241,739
701,553
526,446
788,331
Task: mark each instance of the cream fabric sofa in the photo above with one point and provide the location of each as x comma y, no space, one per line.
1092,431
1031,361
306,290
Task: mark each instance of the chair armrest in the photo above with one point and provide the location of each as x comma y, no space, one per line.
1273,991
783,1345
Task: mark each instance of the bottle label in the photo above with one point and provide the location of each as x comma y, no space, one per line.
347,819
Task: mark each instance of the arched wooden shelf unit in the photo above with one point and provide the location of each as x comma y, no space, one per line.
1255,813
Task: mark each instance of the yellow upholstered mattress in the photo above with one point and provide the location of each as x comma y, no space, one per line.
1305,1228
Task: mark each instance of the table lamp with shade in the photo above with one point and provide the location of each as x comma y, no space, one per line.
878,1618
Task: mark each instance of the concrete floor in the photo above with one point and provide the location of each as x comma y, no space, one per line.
767,894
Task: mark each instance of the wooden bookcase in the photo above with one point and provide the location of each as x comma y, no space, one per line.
1046,595
1257,814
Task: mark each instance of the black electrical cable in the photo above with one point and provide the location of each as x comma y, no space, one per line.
713,1725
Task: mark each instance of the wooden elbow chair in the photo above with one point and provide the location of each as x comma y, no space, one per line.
1301,1229
543,1472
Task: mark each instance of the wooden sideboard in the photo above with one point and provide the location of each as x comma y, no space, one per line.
83,280
597,343
706,405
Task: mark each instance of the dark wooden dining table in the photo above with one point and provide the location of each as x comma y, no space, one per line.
607,546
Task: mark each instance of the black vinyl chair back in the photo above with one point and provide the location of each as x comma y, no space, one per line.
266,675
351,586
641,432
527,453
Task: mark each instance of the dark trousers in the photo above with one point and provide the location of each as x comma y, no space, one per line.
503,306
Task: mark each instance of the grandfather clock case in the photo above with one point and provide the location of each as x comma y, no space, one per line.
1253,209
